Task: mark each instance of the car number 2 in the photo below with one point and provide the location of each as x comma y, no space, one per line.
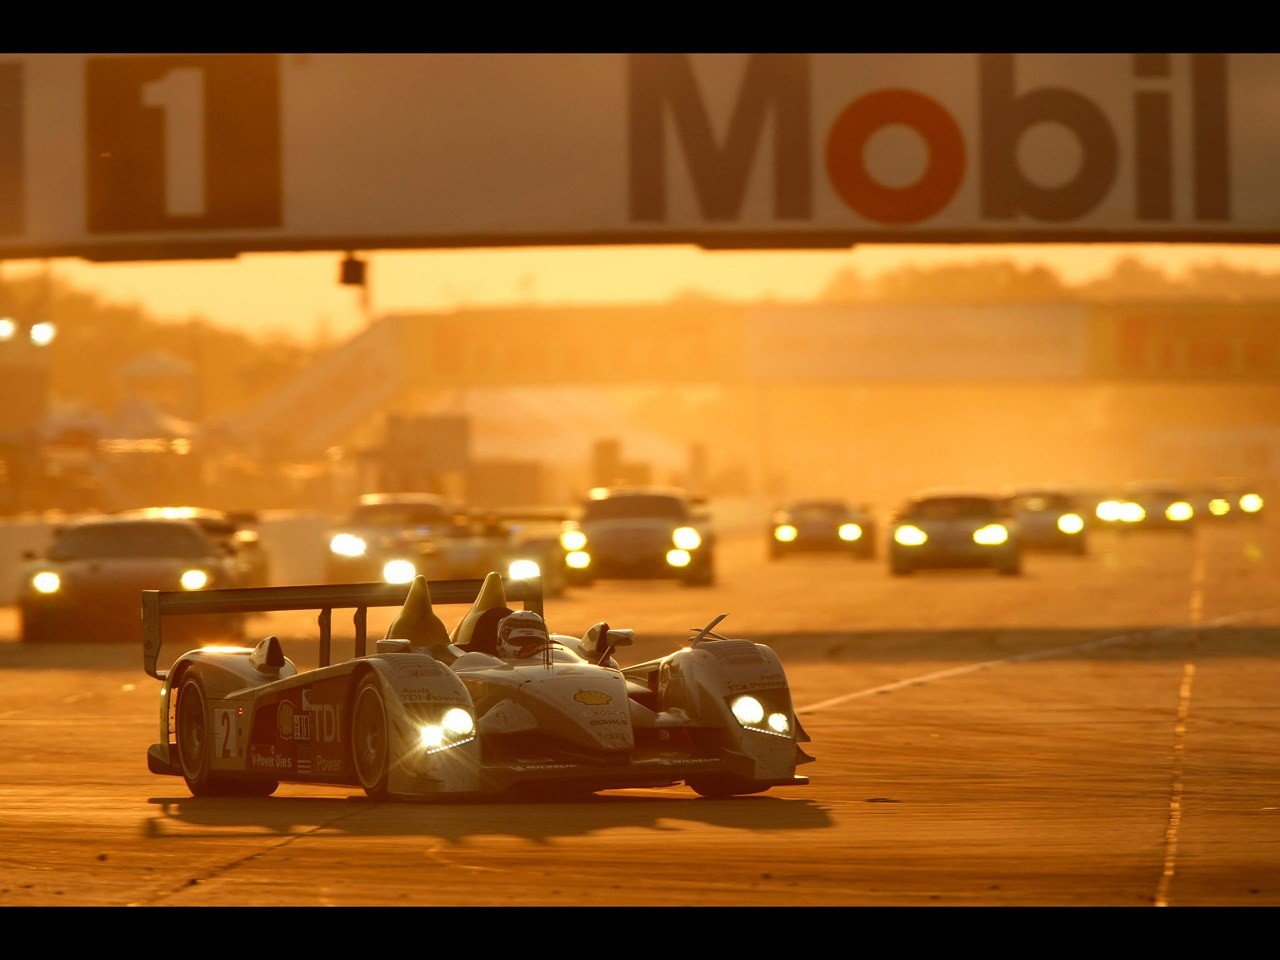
224,732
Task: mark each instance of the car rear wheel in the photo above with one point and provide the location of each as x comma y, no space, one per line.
371,739
37,628
900,569
195,751
721,787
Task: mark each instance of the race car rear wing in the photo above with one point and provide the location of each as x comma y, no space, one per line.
158,604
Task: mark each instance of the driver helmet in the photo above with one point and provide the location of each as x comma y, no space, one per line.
522,634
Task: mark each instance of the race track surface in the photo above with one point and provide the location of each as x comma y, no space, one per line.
1103,730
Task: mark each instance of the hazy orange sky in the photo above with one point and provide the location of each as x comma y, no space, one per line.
292,292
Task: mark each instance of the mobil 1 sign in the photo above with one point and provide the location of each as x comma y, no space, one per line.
176,155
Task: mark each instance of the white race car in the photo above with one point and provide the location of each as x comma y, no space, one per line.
437,713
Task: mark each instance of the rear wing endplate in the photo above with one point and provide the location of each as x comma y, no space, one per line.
158,604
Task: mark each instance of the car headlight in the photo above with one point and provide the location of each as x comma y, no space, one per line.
348,545
523,570
46,581
1251,503
747,710
1071,523
678,558
578,560
992,535
779,723
909,535
1179,511
398,571
573,540
1219,507
194,579
686,538
849,532
785,533
456,727
1131,512
1109,511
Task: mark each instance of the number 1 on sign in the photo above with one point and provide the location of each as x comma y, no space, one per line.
180,94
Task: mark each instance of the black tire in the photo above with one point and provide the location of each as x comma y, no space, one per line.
1010,569
723,786
37,628
701,577
370,739
195,750
900,569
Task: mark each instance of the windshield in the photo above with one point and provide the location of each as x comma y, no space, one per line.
819,508
1038,502
953,508
636,507
398,515
103,540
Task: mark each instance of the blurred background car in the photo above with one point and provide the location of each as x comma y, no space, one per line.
387,529
1050,520
88,584
236,532
534,536
1226,501
1157,506
822,526
939,530
640,533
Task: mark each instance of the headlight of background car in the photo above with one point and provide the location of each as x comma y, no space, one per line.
678,558
1071,523
348,545
398,571
686,538
784,533
523,570
1108,511
1179,511
909,535
1131,512
1251,503
456,727
194,579
46,581
992,535
573,540
1219,507
849,532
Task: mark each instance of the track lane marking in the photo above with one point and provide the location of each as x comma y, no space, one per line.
1175,798
968,668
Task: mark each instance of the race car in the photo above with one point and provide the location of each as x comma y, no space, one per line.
235,531
646,533
822,526
1156,506
389,536
955,530
533,537
1050,520
479,709
86,587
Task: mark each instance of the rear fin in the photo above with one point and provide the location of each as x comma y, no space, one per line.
417,621
268,656
491,597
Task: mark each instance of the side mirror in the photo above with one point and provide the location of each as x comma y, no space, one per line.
602,641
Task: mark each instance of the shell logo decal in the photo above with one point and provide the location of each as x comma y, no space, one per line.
284,720
593,698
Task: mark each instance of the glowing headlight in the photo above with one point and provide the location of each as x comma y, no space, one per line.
909,535
1109,511
1251,503
7,328
573,539
1219,507
778,723
1131,512
784,533
678,558
398,571
348,545
42,333
992,535
1071,523
686,538
1179,511
46,581
849,532
431,735
458,722
747,710
194,580
523,570
578,560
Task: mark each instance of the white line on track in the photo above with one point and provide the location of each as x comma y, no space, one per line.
968,668
1175,797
